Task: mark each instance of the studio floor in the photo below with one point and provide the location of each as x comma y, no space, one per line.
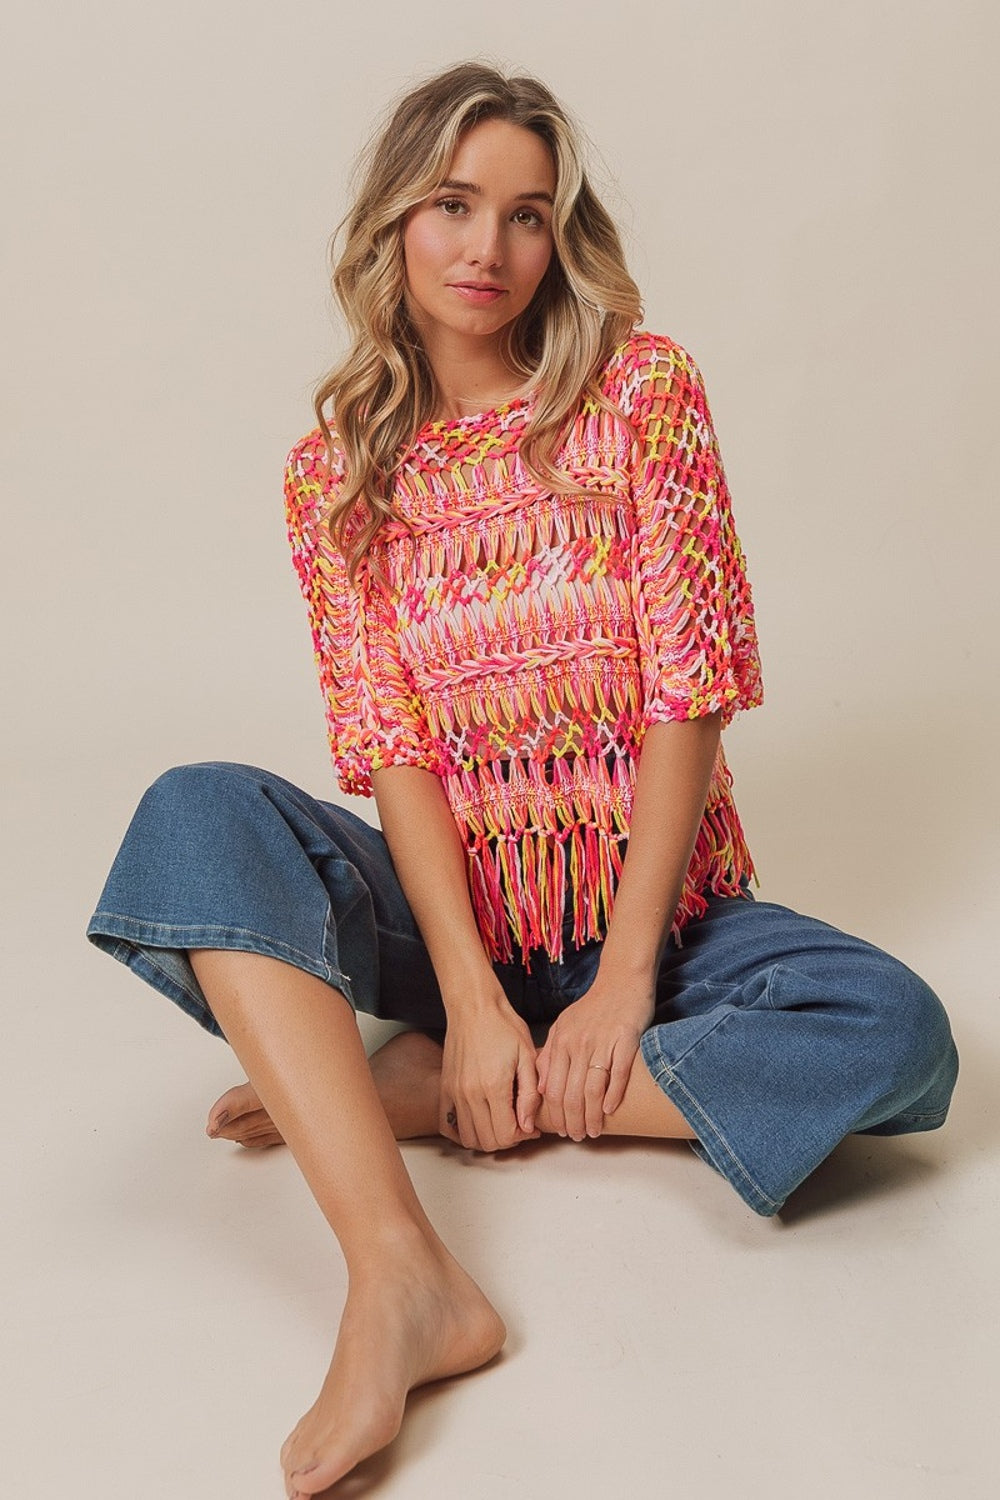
172,1301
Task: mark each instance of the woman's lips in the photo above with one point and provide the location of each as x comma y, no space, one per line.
477,294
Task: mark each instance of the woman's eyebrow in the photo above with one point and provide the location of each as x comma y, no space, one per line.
473,187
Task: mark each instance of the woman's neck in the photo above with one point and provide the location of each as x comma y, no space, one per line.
471,380
452,407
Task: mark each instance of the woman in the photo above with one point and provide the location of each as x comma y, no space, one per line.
531,622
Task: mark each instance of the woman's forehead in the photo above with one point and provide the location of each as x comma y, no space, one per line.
500,148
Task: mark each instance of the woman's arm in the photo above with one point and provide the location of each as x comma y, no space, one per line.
381,743
487,1045
603,1027
698,663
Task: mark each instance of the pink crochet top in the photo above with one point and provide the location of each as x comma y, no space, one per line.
523,642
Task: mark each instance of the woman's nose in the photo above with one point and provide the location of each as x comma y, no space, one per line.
484,246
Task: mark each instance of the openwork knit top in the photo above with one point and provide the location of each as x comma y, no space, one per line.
521,643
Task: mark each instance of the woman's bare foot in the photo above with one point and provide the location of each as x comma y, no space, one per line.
407,1073
421,1319
238,1115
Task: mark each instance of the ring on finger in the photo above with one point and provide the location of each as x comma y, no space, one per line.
599,1066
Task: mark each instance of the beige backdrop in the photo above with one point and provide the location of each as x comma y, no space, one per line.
809,198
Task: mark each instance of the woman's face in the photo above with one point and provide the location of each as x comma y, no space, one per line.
477,248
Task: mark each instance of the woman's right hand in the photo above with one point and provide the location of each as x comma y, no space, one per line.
489,1080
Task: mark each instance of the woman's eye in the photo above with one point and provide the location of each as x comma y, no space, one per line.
453,207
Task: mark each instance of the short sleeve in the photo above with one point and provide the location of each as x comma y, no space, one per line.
694,611
374,717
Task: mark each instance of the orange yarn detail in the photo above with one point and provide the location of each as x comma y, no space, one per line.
521,642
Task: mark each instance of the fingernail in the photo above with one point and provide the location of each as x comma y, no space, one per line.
297,1472
222,1119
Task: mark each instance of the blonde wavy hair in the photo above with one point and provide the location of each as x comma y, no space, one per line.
383,390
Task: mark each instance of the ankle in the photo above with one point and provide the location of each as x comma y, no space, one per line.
397,1248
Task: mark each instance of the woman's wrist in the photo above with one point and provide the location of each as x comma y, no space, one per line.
471,989
633,959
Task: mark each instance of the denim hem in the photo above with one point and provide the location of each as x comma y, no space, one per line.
712,1145
134,943
908,1123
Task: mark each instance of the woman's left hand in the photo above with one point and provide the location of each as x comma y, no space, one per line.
584,1066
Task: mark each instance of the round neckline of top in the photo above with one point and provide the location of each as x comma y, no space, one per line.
477,418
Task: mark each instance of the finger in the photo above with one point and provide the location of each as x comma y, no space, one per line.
504,1117
594,1091
621,1070
574,1107
543,1062
486,1138
469,1121
448,1122
555,1086
466,1126
528,1097
519,1140
506,1131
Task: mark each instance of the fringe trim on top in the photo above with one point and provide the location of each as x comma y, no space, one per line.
525,883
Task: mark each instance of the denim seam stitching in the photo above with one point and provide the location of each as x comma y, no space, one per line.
774,971
336,976
691,1045
135,930
934,1114
666,1070
136,938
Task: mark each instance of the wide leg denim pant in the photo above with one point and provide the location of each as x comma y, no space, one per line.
775,1035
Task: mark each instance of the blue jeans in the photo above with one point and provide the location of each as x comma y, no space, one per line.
774,1034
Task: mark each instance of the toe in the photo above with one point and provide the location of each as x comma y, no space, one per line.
240,1100
258,1139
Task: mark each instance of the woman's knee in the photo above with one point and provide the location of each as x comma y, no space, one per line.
912,1035
220,804
186,786
887,1026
